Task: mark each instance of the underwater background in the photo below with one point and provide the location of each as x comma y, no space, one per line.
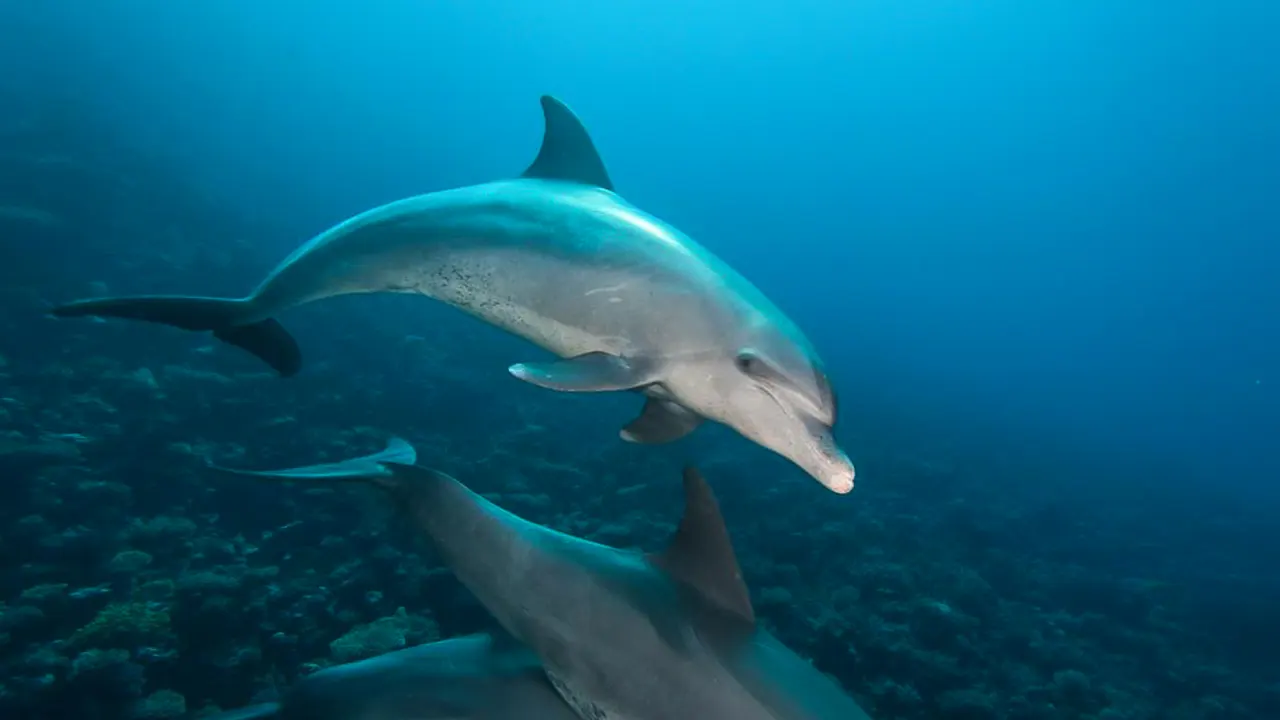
1035,243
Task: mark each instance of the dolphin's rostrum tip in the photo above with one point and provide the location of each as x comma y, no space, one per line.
841,484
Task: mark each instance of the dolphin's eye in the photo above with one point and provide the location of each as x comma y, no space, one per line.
749,363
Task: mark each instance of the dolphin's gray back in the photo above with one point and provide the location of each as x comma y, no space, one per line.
572,268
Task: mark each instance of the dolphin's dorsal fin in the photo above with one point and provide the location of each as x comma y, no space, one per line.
567,151
701,554
398,451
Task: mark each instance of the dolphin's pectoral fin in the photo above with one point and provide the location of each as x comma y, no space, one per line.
661,421
266,339
591,372
701,554
567,152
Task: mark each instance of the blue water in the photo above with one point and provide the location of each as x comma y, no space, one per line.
1035,241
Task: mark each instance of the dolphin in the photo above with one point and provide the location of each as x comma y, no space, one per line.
621,635
625,300
476,677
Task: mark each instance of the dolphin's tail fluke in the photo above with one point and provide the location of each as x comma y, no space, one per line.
266,339
375,468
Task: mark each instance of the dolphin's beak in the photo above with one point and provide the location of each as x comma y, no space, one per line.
833,468
840,479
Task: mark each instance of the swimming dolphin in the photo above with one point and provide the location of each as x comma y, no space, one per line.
621,635
625,300
468,678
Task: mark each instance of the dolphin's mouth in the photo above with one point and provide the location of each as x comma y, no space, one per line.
820,456
840,482
835,471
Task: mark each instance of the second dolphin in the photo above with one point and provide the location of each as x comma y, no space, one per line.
619,634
